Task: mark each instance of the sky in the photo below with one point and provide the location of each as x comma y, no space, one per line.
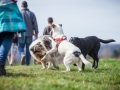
79,18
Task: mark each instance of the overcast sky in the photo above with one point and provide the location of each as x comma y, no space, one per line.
80,18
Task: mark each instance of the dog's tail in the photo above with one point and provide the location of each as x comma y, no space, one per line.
85,61
107,41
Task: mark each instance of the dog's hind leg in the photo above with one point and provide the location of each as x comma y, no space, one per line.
78,65
55,63
95,55
66,63
96,60
83,66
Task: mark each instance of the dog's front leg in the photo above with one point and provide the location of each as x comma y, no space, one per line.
43,65
54,49
48,65
49,52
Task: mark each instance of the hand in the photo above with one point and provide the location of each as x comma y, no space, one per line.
35,35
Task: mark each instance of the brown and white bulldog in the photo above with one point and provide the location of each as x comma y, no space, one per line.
38,49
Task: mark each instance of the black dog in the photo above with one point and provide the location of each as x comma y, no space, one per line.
89,45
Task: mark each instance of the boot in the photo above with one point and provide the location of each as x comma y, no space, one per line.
2,69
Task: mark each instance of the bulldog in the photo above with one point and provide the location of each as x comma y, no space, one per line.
72,54
38,49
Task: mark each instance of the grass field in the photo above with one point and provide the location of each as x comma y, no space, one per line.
105,77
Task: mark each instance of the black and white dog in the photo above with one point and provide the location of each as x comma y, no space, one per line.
72,54
89,45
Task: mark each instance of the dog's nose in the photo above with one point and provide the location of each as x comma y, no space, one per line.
37,49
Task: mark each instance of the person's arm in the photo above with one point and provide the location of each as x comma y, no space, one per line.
35,25
35,35
44,32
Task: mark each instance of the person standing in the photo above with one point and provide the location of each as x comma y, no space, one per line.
11,21
32,29
48,28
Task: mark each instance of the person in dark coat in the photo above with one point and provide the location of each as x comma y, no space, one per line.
48,27
32,29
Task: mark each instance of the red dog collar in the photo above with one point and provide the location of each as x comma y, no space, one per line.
59,40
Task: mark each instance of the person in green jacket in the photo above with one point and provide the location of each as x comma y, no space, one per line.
11,21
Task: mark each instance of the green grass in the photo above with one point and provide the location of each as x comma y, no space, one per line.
105,77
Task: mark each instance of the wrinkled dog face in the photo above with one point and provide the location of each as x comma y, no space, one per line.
39,49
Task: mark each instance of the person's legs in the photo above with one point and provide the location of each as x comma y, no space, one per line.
6,39
13,53
28,56
21,45
9,58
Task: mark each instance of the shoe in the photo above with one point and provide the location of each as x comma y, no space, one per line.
2,69
23,60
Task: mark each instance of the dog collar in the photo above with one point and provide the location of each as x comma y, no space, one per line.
59,40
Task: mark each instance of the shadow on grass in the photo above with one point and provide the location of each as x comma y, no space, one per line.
19,75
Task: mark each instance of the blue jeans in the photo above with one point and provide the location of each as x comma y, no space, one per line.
6,39
21,45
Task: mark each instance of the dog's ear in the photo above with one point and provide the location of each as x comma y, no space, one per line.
53,25
60,25
47,44
32,49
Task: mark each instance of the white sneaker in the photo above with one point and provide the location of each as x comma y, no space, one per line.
23,60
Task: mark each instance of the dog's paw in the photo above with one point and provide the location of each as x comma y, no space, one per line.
80,70
43,68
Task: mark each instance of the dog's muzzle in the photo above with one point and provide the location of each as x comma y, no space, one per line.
35,49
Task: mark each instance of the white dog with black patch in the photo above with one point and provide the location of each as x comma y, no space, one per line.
72,54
